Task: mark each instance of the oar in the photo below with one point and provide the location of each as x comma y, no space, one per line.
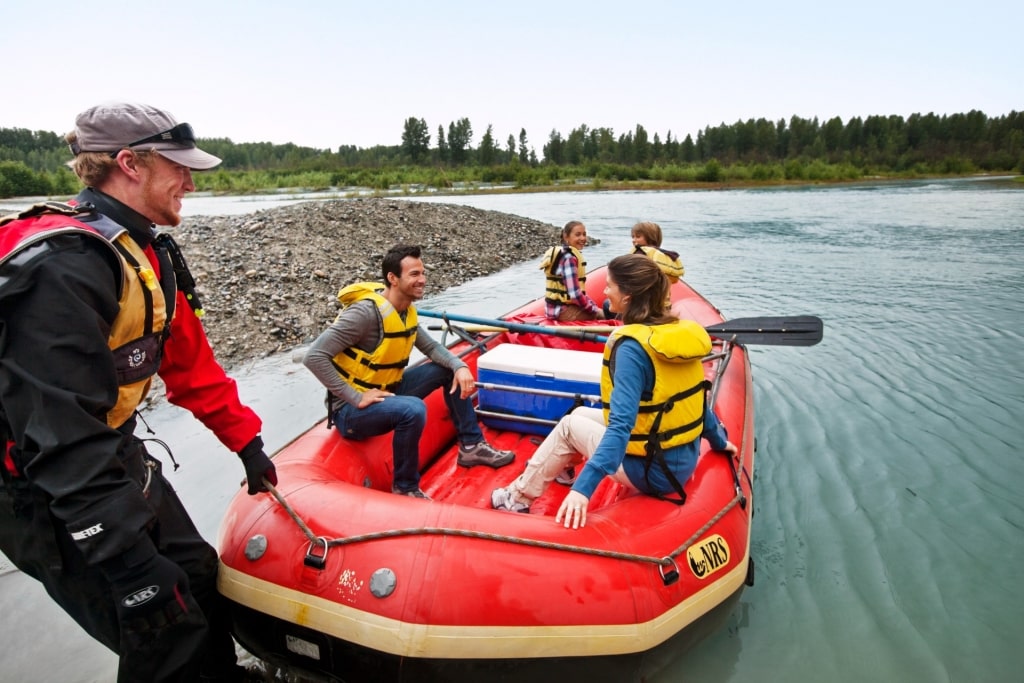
798,330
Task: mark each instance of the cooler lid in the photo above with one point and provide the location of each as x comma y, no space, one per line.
568,364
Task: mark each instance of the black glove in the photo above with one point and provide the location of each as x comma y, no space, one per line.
606,310
257,466
152,586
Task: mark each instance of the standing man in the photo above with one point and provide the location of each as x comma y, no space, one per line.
93,303
361,359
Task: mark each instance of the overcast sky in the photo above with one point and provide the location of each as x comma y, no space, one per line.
327,73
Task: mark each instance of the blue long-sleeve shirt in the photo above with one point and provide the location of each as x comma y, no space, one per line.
634,372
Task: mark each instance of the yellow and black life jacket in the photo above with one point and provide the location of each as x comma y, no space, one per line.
673,413
667,260
381,368
555,291
137,336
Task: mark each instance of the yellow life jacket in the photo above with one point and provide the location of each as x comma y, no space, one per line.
674,410
139,330
668,261
381,368
555,291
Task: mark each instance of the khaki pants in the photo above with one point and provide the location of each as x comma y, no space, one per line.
573,440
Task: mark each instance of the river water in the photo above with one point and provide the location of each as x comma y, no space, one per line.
888,532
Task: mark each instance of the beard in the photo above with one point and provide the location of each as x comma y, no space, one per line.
161,205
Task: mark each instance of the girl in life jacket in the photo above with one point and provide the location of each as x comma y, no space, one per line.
565,273
647,241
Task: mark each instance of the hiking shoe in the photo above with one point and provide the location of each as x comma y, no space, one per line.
415,493
567,477
484,454
503,499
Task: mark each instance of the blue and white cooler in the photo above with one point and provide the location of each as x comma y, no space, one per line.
529,388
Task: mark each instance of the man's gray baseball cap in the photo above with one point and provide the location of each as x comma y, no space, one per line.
119,125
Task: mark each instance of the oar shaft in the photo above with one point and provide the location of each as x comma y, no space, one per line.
799,330
474,327
573,332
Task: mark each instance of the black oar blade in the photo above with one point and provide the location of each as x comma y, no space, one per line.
797,330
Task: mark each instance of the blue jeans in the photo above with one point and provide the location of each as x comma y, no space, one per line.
406,414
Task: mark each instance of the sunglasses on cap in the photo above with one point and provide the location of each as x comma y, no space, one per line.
181,134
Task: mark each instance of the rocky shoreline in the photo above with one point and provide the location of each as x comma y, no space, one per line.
268,280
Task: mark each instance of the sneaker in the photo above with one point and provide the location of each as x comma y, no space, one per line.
484,454
502,499
567,477
415,493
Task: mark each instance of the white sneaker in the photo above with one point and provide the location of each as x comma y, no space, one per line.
503,499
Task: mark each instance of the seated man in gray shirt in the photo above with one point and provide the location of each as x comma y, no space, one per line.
361,359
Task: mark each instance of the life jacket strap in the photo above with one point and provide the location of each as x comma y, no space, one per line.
182,275
655,453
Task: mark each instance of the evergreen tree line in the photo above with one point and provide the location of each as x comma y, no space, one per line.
34,162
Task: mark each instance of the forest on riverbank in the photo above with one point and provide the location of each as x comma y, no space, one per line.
752,151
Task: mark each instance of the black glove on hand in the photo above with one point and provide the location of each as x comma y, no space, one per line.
150,587
606,310
257,466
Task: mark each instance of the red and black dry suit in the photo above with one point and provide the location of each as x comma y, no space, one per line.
75,497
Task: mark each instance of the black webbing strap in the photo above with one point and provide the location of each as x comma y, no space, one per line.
655,453
182,275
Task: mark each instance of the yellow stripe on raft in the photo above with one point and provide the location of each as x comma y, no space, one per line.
471,642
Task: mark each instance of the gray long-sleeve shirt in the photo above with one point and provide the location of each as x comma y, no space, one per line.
360,325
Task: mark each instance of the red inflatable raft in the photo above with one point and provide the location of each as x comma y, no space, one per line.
334,576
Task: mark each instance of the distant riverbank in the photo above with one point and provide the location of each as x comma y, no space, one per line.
719,180
272,196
